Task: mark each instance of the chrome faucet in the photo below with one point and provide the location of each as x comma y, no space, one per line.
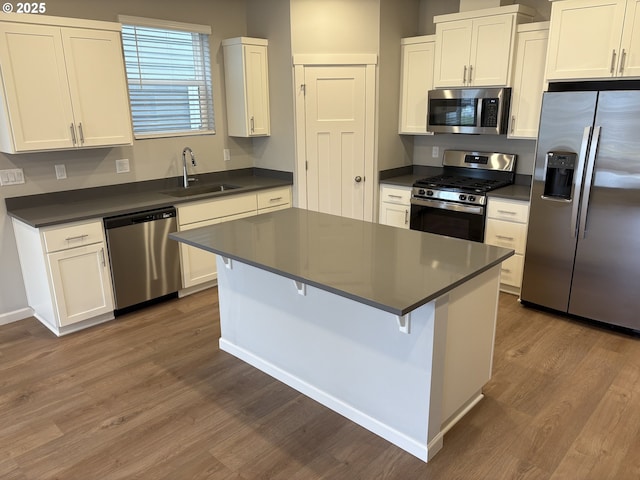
185,178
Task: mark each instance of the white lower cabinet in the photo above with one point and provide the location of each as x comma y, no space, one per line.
507,227
198,266
66,274
395,205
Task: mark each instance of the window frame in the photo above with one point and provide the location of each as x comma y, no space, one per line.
178,26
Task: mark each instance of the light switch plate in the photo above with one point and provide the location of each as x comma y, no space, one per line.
61,172
227,154
122,165
435,152
14,176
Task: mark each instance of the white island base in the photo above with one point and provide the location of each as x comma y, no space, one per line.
407,379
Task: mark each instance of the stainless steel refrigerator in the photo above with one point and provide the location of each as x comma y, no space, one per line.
583,245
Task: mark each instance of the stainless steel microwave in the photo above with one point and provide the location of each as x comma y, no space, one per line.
469,110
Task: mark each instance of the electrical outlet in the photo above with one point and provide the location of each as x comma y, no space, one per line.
61,172
122,165
13,176
227,154
435,152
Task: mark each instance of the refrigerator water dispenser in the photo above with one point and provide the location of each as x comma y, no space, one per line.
559,175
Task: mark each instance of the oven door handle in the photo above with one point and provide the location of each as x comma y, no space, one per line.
455,207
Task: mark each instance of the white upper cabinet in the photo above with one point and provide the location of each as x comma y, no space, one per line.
528,80
416,80
594,39
476,48
63,87
246,77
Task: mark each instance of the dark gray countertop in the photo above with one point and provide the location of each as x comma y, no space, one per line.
512,192
75,205
389,268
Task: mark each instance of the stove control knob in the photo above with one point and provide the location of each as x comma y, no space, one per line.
429,193
421,191
462,198
472,198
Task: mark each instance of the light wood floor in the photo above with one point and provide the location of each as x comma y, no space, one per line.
150,396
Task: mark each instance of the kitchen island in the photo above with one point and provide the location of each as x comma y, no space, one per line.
393,329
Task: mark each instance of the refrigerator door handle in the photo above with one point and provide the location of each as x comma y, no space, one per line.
593,151
578,185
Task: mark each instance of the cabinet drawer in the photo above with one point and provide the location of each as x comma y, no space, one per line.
73,235
506,234
274,197
511,271
222,207
507,210
395,194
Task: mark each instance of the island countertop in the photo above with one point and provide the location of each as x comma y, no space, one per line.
389,268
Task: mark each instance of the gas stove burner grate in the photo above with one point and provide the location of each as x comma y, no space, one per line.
461,183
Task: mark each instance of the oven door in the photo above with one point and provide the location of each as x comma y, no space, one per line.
448,218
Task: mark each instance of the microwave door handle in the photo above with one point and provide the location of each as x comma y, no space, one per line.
577,186
593,151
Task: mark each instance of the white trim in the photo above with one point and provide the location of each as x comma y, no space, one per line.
15,316
156,23
60,21
335,59
385,431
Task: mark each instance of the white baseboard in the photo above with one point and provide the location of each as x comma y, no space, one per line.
16,315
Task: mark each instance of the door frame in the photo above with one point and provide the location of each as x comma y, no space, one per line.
367,60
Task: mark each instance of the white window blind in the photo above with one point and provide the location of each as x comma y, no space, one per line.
168,70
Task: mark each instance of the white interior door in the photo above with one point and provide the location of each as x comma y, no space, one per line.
335,115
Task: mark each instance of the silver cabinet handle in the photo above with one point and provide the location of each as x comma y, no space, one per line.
503,237
77,237
275,199
513,123
252,125
104,260
470,72
73,134
613,61
406,216
81,133
358,179
623,57
507,212
394,196
464,75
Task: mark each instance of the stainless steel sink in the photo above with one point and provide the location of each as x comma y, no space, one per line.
201,189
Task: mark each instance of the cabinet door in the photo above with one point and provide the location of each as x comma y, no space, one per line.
36,90
199,266
394,215
629,65
81,283
416,81
491,51
453,48
98,88
584,38
528,84
257,89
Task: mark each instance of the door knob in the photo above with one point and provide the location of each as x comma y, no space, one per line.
358,179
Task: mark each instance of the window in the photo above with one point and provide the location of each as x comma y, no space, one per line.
168,70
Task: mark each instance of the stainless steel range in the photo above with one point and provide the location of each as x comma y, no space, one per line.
453,203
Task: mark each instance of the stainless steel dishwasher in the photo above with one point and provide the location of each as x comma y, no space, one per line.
145,264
